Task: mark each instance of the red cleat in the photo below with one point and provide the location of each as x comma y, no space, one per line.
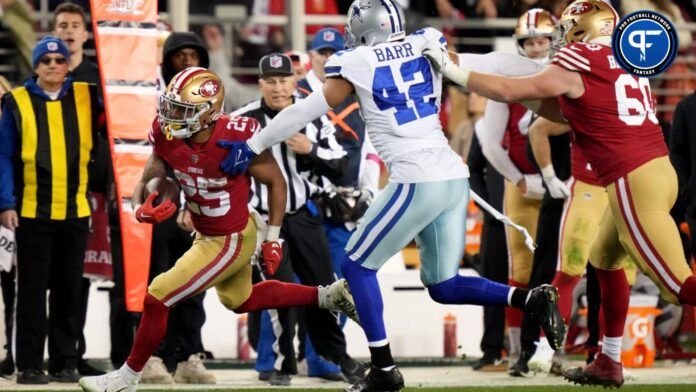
602,371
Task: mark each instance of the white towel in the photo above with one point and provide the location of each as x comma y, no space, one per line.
8,248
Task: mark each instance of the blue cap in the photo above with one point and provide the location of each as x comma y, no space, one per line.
328,38
49,44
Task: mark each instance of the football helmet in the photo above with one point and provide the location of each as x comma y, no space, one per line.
587,21
193,99
536,22
372,22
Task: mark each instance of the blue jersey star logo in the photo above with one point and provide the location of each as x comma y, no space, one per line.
357,9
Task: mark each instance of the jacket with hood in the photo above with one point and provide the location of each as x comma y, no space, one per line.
175,42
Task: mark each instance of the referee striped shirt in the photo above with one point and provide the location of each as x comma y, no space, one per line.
303,173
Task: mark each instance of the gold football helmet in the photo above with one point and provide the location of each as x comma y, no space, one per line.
586,21
193,99
536,22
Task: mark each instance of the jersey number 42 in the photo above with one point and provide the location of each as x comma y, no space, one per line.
416,102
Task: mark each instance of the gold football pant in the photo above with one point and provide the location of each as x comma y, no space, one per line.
524,212
213,261
582,215
638,223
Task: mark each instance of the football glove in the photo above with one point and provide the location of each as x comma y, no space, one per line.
557,189
271,256
148,213
238,159
440,60
535,189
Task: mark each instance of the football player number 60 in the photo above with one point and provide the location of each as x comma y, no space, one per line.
631,110
201,186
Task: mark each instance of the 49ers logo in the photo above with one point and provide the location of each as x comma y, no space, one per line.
579,8
209,88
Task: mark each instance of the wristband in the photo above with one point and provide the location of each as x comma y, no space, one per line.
547,172
457,74
273,233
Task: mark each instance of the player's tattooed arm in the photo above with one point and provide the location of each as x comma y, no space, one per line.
155,167
265,170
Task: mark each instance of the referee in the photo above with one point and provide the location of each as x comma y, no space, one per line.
304,159
47,134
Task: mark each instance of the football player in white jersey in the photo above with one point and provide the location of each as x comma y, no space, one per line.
428,193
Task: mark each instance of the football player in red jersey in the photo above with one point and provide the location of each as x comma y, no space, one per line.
613,120
185,137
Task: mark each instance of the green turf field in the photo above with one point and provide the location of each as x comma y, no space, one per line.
569,388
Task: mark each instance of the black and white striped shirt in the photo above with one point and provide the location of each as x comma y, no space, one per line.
303,173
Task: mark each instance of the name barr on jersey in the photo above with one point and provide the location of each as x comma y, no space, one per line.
396,52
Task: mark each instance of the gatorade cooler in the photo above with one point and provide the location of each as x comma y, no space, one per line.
638,346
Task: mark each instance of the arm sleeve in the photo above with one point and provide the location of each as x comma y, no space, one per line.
499,63
8,147
491,136
679,145
289,121
370,168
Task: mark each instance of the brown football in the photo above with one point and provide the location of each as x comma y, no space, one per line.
166,187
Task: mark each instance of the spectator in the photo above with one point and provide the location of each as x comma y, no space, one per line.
16,15
307,156
300,63
47,206
236,94
70,25
180,352
7,282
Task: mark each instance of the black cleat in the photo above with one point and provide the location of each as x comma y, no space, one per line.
489,363
32,376
352,370
378,380
543,308
521,367
280,379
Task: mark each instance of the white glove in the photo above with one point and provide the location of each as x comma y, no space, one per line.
440,60
535,189
557,189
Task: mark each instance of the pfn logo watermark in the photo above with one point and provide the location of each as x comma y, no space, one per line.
645,43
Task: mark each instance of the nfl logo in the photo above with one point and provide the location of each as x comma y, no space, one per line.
329,36
276,62
52,46
194,158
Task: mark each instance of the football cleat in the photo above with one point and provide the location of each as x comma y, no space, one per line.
603,371
521,367
110,382
379,380
337,298
542,306
192,371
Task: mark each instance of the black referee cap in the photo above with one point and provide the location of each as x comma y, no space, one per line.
275,64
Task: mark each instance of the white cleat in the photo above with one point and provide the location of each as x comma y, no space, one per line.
337,298
541,361
109,382
193,371
155,372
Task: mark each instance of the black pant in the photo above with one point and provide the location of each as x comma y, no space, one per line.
50,255
7,281
186,319
495,267
306,254
544,265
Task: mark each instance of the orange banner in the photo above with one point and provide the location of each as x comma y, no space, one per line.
126,39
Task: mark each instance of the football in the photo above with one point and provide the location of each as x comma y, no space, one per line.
166,187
